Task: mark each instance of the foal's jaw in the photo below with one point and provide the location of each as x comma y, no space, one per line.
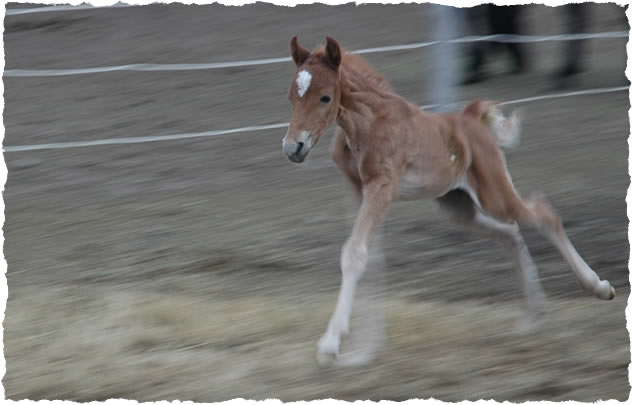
297,149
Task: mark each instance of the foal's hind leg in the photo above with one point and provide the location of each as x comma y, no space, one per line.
509,234
499,199
540,214
461,208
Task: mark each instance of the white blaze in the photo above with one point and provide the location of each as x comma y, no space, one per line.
303,82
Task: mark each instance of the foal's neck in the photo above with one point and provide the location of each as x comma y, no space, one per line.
363,98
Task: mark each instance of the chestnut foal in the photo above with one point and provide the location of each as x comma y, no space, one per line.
389,148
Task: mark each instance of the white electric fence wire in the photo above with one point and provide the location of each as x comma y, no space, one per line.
149,67
21,11
158,138
219,65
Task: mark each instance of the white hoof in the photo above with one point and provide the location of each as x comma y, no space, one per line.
328,348
605,291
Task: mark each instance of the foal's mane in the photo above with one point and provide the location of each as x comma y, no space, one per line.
358,71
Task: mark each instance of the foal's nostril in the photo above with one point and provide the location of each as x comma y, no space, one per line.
299,147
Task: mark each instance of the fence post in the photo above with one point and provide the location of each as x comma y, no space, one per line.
445,23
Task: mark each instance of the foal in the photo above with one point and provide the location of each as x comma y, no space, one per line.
390,149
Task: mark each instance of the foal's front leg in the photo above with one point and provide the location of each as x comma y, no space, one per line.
376,199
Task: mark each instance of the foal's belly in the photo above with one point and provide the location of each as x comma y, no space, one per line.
416,186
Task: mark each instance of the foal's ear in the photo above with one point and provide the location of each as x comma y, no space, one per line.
299,53
332,53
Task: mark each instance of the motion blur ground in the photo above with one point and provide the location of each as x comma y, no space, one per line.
205,269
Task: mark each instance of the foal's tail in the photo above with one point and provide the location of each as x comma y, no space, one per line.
507,130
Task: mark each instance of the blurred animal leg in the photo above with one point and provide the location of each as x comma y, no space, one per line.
540,214
510,235
462,209
377,197
577,22
369,325
367,318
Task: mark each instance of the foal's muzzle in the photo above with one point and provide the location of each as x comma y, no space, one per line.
298,151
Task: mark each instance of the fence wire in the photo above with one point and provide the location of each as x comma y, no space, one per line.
153,67
149,67
253,128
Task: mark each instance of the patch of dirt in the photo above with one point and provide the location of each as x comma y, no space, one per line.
206,269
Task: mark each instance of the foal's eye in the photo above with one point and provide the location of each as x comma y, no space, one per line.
325,99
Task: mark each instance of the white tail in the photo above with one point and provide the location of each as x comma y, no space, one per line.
507,130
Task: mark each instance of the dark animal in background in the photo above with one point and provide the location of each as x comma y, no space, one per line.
489,19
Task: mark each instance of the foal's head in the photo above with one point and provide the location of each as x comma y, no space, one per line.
315,96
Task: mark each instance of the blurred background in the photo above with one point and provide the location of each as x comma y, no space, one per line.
206,268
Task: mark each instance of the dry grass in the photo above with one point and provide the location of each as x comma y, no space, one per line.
95,344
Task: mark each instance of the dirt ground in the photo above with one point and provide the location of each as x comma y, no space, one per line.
206,269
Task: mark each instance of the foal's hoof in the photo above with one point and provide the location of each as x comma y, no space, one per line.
603,290
606,291
327,349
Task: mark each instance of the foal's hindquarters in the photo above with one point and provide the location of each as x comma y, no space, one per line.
482,198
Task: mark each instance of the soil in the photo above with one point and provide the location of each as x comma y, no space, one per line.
205,269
